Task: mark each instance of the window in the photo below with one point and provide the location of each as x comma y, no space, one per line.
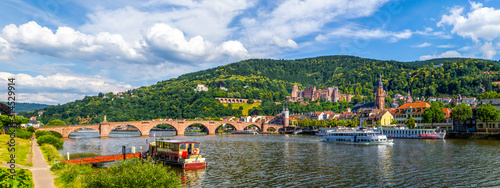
196,145
183,146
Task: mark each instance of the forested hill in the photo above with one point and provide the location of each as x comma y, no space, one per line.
23,107
272,80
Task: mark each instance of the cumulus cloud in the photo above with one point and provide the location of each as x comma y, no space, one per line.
288,43
6,50
61,84
292,19
488,50
69,44
447,54
480,23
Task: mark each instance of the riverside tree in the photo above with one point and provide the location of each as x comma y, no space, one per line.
434,114
487,113
461,112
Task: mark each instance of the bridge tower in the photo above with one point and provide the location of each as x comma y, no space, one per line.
286,116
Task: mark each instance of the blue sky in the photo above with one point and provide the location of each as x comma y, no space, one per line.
62,50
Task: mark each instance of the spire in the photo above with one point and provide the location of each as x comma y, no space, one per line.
380,84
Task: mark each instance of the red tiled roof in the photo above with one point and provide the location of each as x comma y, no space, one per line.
415,105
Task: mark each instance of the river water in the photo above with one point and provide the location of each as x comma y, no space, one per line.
304,161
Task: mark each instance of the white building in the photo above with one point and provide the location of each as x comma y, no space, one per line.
201,87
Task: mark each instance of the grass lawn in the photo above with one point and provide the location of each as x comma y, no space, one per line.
50,151
246,106
22,150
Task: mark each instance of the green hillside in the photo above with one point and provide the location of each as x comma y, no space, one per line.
271,81
23,107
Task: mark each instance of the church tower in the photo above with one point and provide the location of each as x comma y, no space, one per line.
380,95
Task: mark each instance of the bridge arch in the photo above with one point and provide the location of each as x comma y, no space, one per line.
196,129
253,127
83,132
124,129
163,129
225,127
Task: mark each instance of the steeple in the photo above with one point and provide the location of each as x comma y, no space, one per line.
380,84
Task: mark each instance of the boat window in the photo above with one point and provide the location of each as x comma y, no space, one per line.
183,146
196,145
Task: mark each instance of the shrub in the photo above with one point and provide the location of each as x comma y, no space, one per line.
132,173
23,178
22,133
31,129
70,175
52,140
42,133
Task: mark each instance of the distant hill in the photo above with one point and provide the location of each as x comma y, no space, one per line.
24,107
271,81
438,61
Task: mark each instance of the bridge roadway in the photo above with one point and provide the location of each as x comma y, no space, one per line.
144,127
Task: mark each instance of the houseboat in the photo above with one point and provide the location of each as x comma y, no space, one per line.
185,154
360,136
414,133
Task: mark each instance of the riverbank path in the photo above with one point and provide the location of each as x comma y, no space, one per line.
42,176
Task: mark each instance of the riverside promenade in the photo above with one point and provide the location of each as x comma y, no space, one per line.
42,176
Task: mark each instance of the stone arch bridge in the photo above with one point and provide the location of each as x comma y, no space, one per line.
144,127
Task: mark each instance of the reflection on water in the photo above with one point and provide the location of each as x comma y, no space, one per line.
305,161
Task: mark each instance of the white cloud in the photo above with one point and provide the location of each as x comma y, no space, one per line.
284,42
447,46
370,34
70,44
292,19
423,45
54,86
6,50
480,23
488,50
171,42
447,54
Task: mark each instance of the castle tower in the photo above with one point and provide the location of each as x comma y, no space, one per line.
295,90
380,95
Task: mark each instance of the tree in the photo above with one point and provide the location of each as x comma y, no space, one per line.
394,122
434,114
250,101
55,122
355,121
364,124
410,123
379,123
461,112
487,113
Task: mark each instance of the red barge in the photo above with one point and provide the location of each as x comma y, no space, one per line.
185,154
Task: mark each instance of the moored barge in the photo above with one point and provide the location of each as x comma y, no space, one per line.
185,154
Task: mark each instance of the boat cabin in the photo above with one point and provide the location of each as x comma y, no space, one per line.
180,149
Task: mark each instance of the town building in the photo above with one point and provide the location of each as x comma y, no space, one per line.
201,87
491,126
407,110
379,99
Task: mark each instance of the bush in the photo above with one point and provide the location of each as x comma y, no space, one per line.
22,133
31,129
42,133
23,178
70,175
52,140
132,173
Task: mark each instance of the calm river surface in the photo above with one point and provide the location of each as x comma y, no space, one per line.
304,161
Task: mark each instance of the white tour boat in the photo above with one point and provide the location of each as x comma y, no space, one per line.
360,136
414,133
323,132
